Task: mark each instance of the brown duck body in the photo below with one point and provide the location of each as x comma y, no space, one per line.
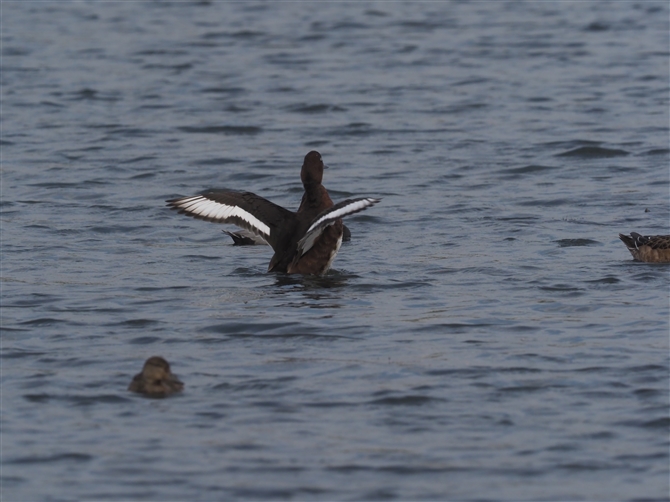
650,249
318,259
314,201
305,241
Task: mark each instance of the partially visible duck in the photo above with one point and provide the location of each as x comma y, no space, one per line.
304,242
650,248
156,379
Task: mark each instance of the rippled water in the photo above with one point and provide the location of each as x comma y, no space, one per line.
484,335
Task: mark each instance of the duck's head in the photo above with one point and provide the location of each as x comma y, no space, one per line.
312,168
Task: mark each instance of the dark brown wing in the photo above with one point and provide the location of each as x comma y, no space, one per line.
244,209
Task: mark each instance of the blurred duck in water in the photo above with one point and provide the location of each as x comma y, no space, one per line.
650,248
156,379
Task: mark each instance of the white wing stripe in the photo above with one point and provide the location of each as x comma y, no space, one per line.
308,242
207,208
343,211
187,205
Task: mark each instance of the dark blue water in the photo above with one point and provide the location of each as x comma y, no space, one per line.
484,335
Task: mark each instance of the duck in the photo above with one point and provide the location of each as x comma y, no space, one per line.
305,241
648,248
156,379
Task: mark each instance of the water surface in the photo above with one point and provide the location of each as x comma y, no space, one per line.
484,336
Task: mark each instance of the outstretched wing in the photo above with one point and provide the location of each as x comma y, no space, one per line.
330,216
244,209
